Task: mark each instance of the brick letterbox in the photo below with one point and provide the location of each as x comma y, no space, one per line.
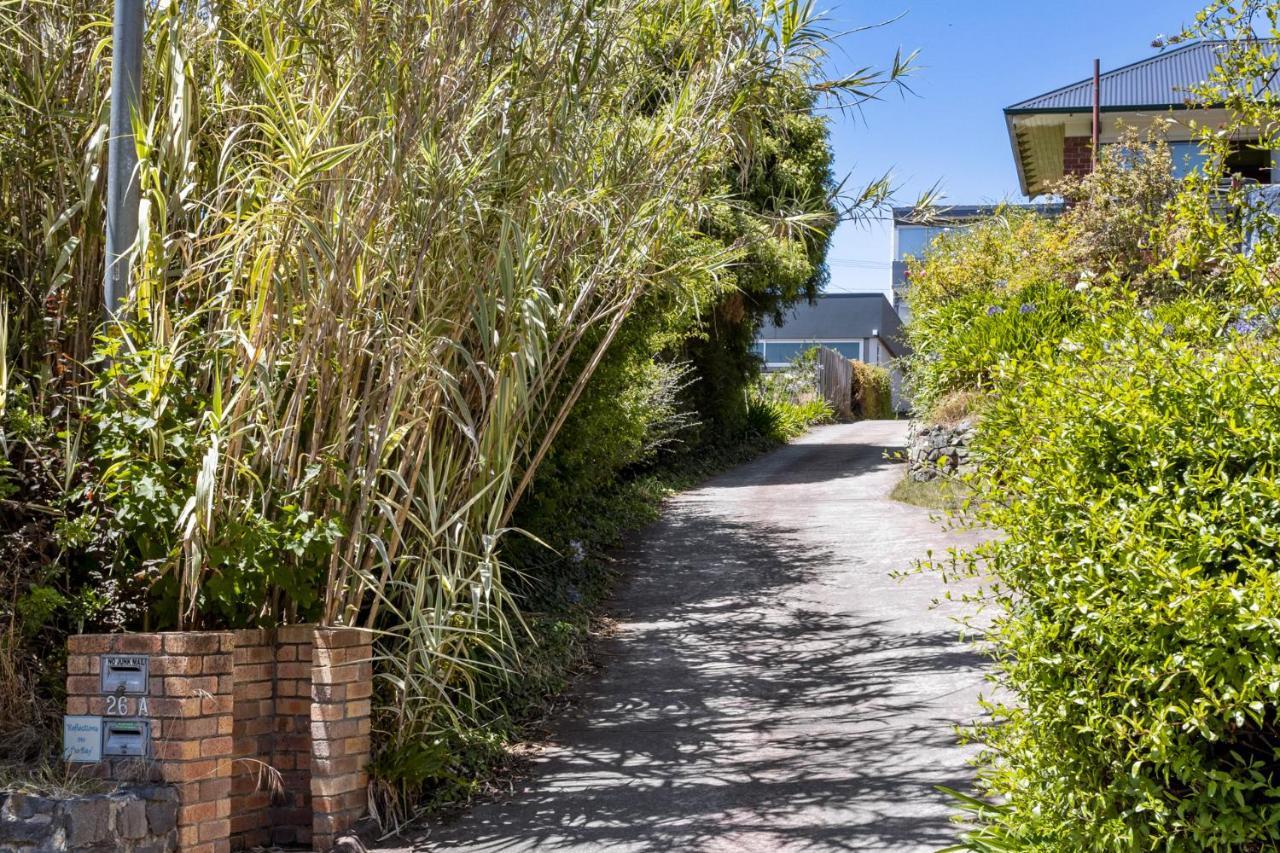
265,734
160,706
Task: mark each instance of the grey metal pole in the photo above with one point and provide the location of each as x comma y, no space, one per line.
122,153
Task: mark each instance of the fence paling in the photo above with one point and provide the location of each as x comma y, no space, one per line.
835,381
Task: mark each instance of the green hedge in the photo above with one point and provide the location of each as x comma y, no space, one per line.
872,392
960,344
1135,473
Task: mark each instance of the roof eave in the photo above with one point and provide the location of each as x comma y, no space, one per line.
1130,108
1017,155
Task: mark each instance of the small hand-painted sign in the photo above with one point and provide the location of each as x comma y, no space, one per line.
82,739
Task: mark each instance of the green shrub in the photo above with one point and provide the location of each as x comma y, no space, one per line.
1136,476
1131,460
1004,287
1111,229
781,420
961,343
785,403
1010,250
872,392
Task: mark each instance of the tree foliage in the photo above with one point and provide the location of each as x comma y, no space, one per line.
394,260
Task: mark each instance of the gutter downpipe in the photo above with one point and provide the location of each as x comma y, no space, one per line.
1097,110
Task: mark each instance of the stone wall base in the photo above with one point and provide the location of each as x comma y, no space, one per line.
132,819
939,450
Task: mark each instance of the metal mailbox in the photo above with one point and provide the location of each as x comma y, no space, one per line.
126,739
125,674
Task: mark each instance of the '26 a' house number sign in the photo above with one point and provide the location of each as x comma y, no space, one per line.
91,738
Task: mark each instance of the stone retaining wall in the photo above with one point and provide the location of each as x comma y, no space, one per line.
937,450
133,819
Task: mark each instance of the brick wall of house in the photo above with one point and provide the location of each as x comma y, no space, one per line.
1077,155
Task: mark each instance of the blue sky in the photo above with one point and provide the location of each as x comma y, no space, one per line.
976,57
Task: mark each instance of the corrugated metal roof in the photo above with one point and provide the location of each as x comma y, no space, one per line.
840,316
1162,81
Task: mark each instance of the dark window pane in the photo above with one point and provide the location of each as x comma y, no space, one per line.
1249,162
778,352
850,350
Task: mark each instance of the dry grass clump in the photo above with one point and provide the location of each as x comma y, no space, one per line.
955,407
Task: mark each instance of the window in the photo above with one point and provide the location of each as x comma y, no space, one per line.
1249,162
914,240
1246,160
1187,157
784,352
781,353
849,349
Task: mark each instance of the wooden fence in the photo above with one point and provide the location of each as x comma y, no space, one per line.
835,381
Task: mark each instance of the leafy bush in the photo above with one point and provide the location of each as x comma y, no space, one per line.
1131,460
872,391
783,404
782,420
960,344
1137,586
1004,288
1010,250
1112,227
153,430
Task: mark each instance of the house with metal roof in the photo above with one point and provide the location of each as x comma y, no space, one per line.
860,326
1052,134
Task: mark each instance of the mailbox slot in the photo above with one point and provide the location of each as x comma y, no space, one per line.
125,674
126,738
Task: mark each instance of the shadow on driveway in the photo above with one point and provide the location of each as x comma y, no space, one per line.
769,687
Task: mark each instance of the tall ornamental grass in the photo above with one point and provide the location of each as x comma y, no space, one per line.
374,238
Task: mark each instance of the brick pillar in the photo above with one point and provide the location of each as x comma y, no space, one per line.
264,734
291,818
188,705
254,717
1077,155
341,686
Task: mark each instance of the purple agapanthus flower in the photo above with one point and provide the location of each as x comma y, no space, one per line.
994,310
1026,308
1247,325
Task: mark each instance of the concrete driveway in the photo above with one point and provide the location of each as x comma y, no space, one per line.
770,687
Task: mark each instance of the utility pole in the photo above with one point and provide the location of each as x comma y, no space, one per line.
122,152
